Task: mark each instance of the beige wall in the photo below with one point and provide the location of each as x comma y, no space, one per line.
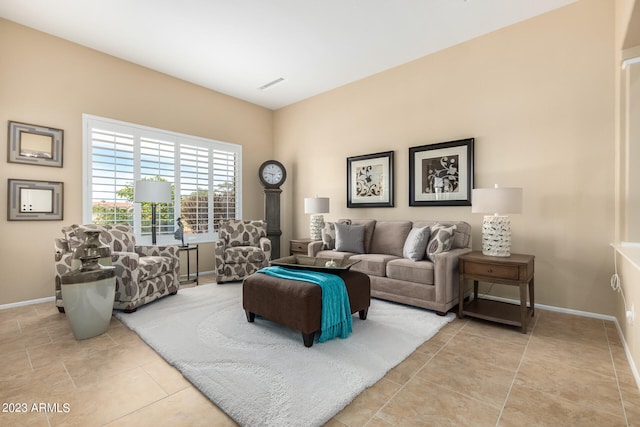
537,96
47,81
539,99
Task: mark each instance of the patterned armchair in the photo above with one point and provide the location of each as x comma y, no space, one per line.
143,273
242,249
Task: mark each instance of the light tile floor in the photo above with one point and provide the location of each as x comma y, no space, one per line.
567,371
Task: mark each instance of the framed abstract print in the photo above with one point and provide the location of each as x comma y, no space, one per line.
370,181
441,174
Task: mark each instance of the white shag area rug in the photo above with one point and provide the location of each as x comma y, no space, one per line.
260,373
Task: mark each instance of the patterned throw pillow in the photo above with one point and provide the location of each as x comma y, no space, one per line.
441,240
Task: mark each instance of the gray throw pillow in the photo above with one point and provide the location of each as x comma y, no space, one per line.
329,234
416,243
350,238
441,240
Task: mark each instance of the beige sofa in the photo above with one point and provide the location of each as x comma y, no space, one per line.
422,283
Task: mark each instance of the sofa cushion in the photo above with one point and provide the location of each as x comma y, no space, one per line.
441,240
372,264
415,245
389,236
349,238
410,271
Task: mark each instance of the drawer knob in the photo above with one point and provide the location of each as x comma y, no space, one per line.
490,270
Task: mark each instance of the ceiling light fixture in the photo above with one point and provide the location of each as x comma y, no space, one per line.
271,84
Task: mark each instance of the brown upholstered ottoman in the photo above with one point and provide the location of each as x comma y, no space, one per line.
298,305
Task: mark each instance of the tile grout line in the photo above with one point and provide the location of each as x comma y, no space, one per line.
515,375
402,386
615,373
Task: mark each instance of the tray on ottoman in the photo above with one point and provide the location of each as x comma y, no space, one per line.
304,262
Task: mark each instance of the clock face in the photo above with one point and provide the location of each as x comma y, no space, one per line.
272,173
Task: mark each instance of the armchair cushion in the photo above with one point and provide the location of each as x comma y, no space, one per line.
242,233
119,237
154,266
242,254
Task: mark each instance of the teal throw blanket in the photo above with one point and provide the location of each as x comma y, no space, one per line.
336,310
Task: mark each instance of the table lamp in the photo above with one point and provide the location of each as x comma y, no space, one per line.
496,228
316,206
154,192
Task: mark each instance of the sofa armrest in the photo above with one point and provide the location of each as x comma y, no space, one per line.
446,276
314,247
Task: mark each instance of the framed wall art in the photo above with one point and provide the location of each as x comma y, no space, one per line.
441,174
35,145
370,181
34,200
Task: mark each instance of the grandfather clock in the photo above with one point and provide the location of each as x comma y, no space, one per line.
272,175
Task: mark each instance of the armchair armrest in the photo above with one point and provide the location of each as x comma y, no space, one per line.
155,250
446,276
265,245
61,247
314,247
127,273
219,256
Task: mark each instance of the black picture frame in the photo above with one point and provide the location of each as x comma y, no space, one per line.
441,174
370,181
34,145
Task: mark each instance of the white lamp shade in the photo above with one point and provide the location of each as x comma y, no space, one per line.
498,200
316,205
152,191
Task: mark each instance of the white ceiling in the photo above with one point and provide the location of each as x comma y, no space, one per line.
236,46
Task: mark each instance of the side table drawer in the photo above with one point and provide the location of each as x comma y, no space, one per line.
299,247
509,272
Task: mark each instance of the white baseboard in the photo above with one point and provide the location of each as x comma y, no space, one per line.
551,308
28,302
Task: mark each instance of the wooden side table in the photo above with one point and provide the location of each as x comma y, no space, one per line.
299,246
514,270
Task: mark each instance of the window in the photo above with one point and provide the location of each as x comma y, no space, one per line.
205,177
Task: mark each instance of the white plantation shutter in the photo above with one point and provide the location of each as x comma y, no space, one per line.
225,178
194,187
112,170
205,177
157,164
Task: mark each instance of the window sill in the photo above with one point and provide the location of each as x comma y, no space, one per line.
629,250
